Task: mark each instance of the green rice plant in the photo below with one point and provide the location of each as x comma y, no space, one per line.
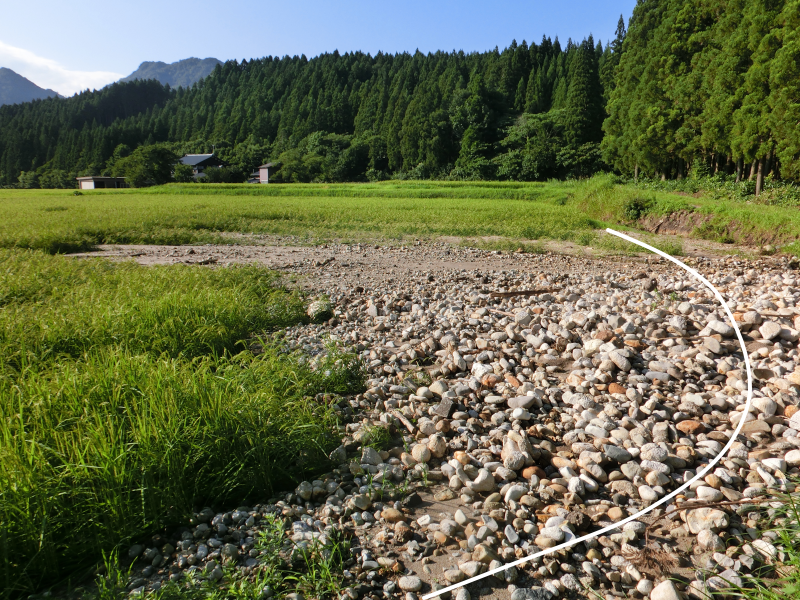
53,307
58,222
129,398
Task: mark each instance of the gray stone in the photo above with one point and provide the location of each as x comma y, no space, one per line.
617,454
721,328
471,568
444,407
710,541
535,593
439,387
521,402
230,552
304,490
410,583
770,330
369,456
511,535
712,345
653,452
623,364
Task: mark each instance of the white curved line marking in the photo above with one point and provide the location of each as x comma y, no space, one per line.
668,497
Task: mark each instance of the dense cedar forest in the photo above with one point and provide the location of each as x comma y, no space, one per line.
710,84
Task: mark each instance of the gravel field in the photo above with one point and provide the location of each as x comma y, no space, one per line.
527,400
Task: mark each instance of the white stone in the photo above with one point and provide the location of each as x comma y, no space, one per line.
665,590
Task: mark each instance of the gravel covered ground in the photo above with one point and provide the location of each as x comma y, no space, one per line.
527,400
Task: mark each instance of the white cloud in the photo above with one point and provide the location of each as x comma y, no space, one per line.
47,73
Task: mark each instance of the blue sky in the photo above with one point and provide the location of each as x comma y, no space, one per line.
68,46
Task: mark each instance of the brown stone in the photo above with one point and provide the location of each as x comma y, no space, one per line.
484,554
462,457
440,538
558,488
443,426
615,388
529,472
691,427
544,542
392,515
756,427
402,532
512,380
559,462
760,454
490,380
615,513
790,411
605,336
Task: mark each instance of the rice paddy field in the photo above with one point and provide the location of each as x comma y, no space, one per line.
59,221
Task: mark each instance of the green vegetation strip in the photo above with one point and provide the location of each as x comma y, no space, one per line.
127,399
57,221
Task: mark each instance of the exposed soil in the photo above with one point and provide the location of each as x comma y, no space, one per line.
686,223
343,266
678,223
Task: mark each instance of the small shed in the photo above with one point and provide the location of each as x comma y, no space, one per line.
95,182
265,171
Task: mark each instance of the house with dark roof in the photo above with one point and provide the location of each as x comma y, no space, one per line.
201,162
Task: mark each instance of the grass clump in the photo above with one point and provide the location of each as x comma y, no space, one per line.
778,578
128,399
312,569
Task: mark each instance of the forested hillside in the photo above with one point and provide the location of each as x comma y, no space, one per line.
340,116
713,83
704,85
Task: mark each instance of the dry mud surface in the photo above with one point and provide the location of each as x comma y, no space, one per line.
523,400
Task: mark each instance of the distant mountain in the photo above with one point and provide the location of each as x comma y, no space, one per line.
182,73
14,88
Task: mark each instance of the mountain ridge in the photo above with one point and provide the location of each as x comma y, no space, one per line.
182,73
15,89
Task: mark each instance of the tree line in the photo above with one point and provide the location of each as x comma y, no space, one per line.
709,85
338,117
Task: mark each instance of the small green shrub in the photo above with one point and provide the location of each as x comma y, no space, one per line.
637,207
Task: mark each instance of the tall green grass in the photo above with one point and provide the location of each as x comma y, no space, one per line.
204,214
57,221
127,400
55,307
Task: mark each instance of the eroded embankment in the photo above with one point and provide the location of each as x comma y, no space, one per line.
717,228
